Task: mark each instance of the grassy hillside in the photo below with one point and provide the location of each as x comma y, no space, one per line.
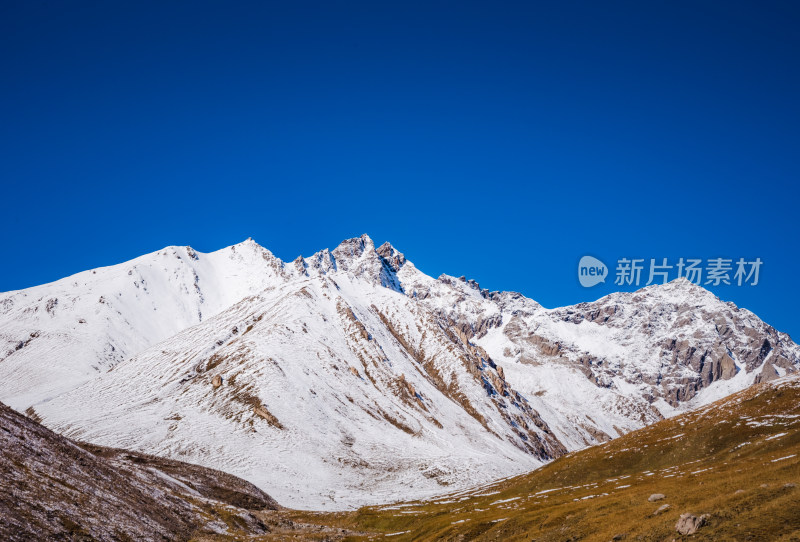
737,460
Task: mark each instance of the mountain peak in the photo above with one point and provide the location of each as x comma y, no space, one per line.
683,282
677,291
391,256
359,257
252,249
249,242
680,286
354,247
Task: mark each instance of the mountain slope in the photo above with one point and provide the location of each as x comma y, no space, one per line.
55,489
736,462
350,377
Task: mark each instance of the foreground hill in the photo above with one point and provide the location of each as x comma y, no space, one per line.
55,489
735,464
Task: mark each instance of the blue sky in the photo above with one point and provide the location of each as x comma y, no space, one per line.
501,141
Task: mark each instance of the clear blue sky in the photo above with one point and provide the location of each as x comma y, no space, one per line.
501,141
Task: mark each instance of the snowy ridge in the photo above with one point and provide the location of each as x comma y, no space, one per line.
350,377
59,335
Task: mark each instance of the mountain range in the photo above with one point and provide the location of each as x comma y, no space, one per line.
351,378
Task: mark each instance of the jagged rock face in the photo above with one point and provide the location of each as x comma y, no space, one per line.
54,489
393,259
686,339
337,379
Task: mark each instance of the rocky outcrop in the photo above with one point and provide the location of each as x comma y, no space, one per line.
391,257
690,524
407,386
535,346
661,509
773,368
695,339
261,411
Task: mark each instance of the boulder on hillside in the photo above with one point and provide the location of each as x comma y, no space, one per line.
689,524
661,509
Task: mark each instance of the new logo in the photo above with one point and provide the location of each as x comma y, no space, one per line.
591,271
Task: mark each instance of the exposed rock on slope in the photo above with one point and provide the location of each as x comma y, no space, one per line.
694,339
53,488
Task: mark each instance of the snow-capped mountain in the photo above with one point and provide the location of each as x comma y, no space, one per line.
350,377
57,336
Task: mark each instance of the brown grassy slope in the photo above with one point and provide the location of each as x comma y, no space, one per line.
735,460
51,488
